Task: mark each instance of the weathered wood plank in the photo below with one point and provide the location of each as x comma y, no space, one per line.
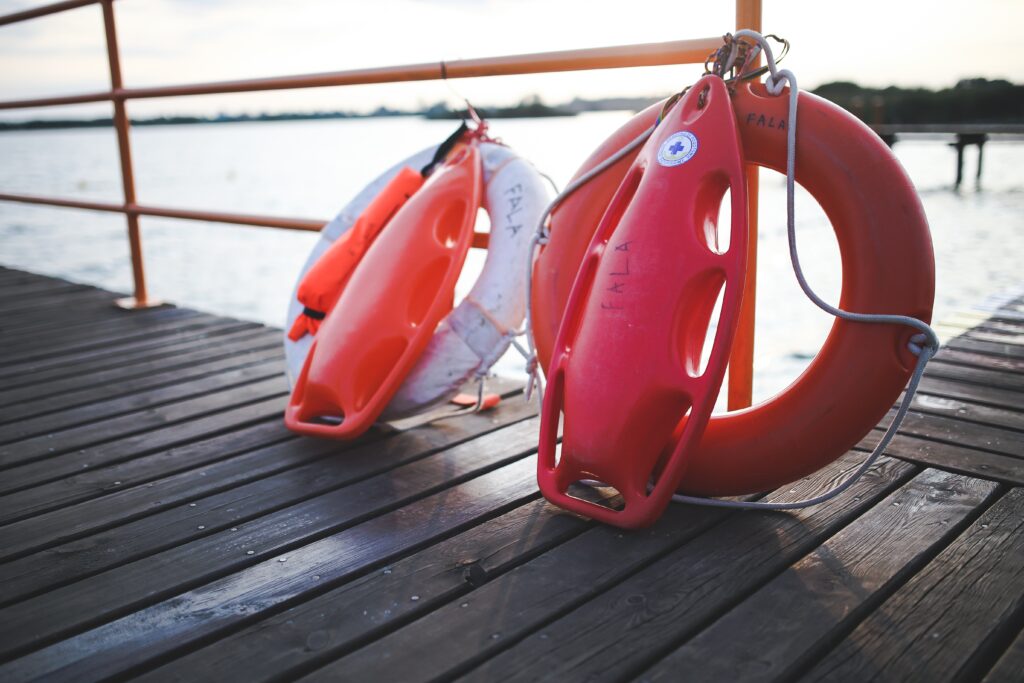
111,368
74,323
772,633
41,290
976,393
195,382
312,524
54,302
28,372
132,524
942,406
52,445
932,628
502,612
327,613
951,457
77,338
1003,316
127,644
995,334
110,574
1010,665
623,629
960,432
263,405
304,635
60,395
119,485
40,356
995,349
978,375
973,359
80,299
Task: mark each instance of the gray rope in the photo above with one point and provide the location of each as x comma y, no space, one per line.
924,345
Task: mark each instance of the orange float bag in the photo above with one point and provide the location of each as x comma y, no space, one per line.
323,283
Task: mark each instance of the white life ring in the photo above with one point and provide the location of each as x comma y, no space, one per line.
478,331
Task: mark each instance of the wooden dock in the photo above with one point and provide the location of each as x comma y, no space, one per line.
159,523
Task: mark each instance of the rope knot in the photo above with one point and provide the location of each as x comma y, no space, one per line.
775,83
922,343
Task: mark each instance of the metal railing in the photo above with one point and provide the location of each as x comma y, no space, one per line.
748,15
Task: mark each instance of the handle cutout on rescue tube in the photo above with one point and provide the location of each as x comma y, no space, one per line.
613,502
374,367
693,321
712,196
449,224
622,199
428,281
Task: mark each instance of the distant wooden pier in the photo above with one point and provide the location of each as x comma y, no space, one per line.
157,522
962,136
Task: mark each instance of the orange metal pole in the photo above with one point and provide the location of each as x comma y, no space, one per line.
141,298
741,360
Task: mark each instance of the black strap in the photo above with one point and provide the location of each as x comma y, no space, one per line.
313,313
443,149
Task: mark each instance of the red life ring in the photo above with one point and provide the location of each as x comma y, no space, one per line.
888,267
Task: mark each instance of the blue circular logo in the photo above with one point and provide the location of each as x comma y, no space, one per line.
677,149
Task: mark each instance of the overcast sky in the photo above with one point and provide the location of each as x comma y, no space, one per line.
872,42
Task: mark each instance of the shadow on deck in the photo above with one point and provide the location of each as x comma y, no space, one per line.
158,522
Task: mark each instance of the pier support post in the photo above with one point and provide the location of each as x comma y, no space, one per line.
981,150
962,141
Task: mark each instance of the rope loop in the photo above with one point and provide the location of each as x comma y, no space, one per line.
924,344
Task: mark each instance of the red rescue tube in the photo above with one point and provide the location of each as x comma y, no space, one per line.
888,267
627,360
390,307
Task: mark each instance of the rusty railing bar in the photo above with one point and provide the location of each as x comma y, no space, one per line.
58,201
58,100
254,220
618,56
251,220
36,12
480,239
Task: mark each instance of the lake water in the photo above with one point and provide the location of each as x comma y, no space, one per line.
311,168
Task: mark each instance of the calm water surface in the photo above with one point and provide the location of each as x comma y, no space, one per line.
312,168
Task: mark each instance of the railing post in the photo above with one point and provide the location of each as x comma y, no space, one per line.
121,124
741,360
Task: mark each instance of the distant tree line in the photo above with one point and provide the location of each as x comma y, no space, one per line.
974,100
531,107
